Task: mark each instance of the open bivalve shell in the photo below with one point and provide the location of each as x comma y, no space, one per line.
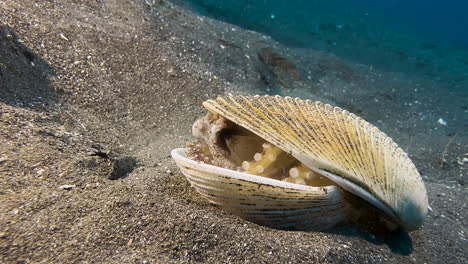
292,163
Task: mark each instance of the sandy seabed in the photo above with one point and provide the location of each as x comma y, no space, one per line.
95,94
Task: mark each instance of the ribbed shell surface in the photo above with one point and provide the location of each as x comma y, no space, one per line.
356,154
265,201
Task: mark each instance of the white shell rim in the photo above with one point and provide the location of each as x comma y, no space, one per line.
178,154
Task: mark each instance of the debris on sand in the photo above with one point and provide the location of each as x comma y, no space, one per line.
67,187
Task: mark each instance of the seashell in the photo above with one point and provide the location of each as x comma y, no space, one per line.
299,164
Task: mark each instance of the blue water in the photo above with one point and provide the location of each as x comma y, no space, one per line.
440,21
392,34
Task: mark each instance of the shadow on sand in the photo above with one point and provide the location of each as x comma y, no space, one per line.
398,241
24,76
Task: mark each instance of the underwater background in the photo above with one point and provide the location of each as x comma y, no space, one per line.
418,37
94,95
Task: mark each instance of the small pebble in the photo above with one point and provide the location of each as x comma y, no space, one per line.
442,122
67,187
63,37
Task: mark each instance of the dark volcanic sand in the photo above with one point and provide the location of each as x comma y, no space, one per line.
95,94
